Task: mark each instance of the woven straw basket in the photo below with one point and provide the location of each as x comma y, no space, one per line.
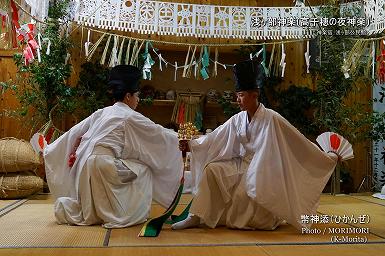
17,155
19,185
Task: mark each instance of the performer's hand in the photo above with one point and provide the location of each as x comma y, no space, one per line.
183,146
334,154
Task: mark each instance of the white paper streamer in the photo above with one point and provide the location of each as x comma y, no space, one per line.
307,57
180,18
176,69
104,55
282,63
87,44
48,51
160,62
120,54
185,67
127,59
344,68
38,49
259,53
114,53
67,58
373,61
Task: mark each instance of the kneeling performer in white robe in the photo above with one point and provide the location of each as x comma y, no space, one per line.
256,170
123,161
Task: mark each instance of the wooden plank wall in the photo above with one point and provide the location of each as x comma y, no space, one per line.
10,126
295,75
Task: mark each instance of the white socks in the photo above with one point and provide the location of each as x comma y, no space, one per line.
190,222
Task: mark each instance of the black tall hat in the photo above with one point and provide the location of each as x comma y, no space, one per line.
248,75
125,76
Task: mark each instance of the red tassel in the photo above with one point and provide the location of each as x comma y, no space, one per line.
15,15
4,21
41,141
49,134
180,119
335,141
71,159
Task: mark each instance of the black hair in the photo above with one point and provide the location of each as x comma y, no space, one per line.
124,79
119,90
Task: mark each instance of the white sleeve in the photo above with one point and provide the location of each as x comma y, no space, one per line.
56,154
157,147
221,144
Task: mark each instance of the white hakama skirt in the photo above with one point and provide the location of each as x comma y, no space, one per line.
113,192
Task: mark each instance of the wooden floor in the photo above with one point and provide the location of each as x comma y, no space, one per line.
357,221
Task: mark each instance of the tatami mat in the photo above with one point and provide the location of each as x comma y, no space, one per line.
354,207
33,225
42,199
371,199
140,251
285,234
292,250
326,250
6,203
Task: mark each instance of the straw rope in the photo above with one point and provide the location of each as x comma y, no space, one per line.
17,155
19,185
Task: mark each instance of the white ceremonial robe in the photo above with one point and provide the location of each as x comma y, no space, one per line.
124,161
261,172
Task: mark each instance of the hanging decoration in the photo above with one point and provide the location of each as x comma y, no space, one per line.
148,62
188,108
263,63
381,63
160,62
94,47
198,20
192,65
128,52
276,65
120,54
186,66
369,63
148,16
3,20
307,57
114,54
176,70
373,60
7,38
271,59
104,55
215,70
135,53
282,63
15,22
26,37
353,57
87,44
205,63
345,70
39,8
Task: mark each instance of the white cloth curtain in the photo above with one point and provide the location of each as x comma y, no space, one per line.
39,8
